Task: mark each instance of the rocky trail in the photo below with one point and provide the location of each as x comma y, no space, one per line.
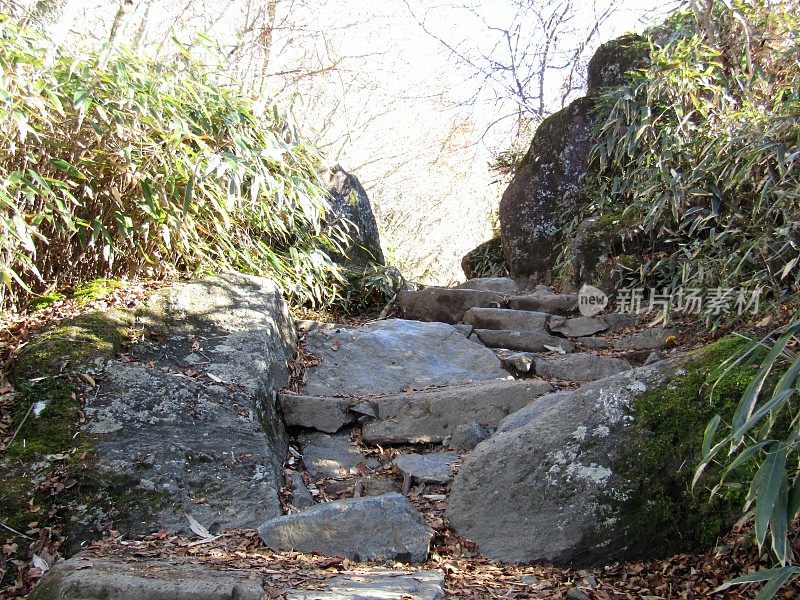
421,457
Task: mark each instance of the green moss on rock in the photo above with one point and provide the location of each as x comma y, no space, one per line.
74,343
672,420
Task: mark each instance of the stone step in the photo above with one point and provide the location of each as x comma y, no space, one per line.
524,341
389,356
580,367
378,584
504,318
430,416
556,304
501,285
436,467
375,529
577,327
86,576
446,305
332,456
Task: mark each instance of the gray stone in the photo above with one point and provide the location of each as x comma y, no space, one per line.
164,440
654,357
650,339
576,593
555,304
546,486
524,341
579,366
617,321
350,206
466,437
301,496
385,357
463,329
161,435
241,323
329,456
86,578
503,318
429,416
379,528
446,305
519,361
436,467
593,343
502,285
547,185
382,584
317,412
544,289
578,326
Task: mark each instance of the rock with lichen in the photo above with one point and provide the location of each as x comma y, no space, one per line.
601,473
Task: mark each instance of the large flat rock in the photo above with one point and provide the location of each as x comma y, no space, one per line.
190,424
378,584
446,305
385,357
501,285
432,415
379,528
88,578
322,413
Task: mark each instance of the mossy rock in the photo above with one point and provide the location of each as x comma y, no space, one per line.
603,473
75,343
671,422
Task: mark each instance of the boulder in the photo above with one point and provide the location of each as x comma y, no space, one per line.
429,416
322,413
579,366
524,341
160,438
378,528
501,285
377,584
578,326
573,477
554,304
86,577
503,318
446,305
487,260
388,356
547,184
350,207
331,455
436,467
615,59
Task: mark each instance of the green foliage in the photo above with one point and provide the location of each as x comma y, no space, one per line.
764,429
115,165
702,150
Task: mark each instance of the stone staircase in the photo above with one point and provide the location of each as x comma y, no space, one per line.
386,412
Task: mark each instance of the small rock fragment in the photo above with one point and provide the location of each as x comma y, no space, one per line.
466,437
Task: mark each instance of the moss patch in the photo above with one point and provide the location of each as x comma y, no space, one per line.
75,342
96,289
671,421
